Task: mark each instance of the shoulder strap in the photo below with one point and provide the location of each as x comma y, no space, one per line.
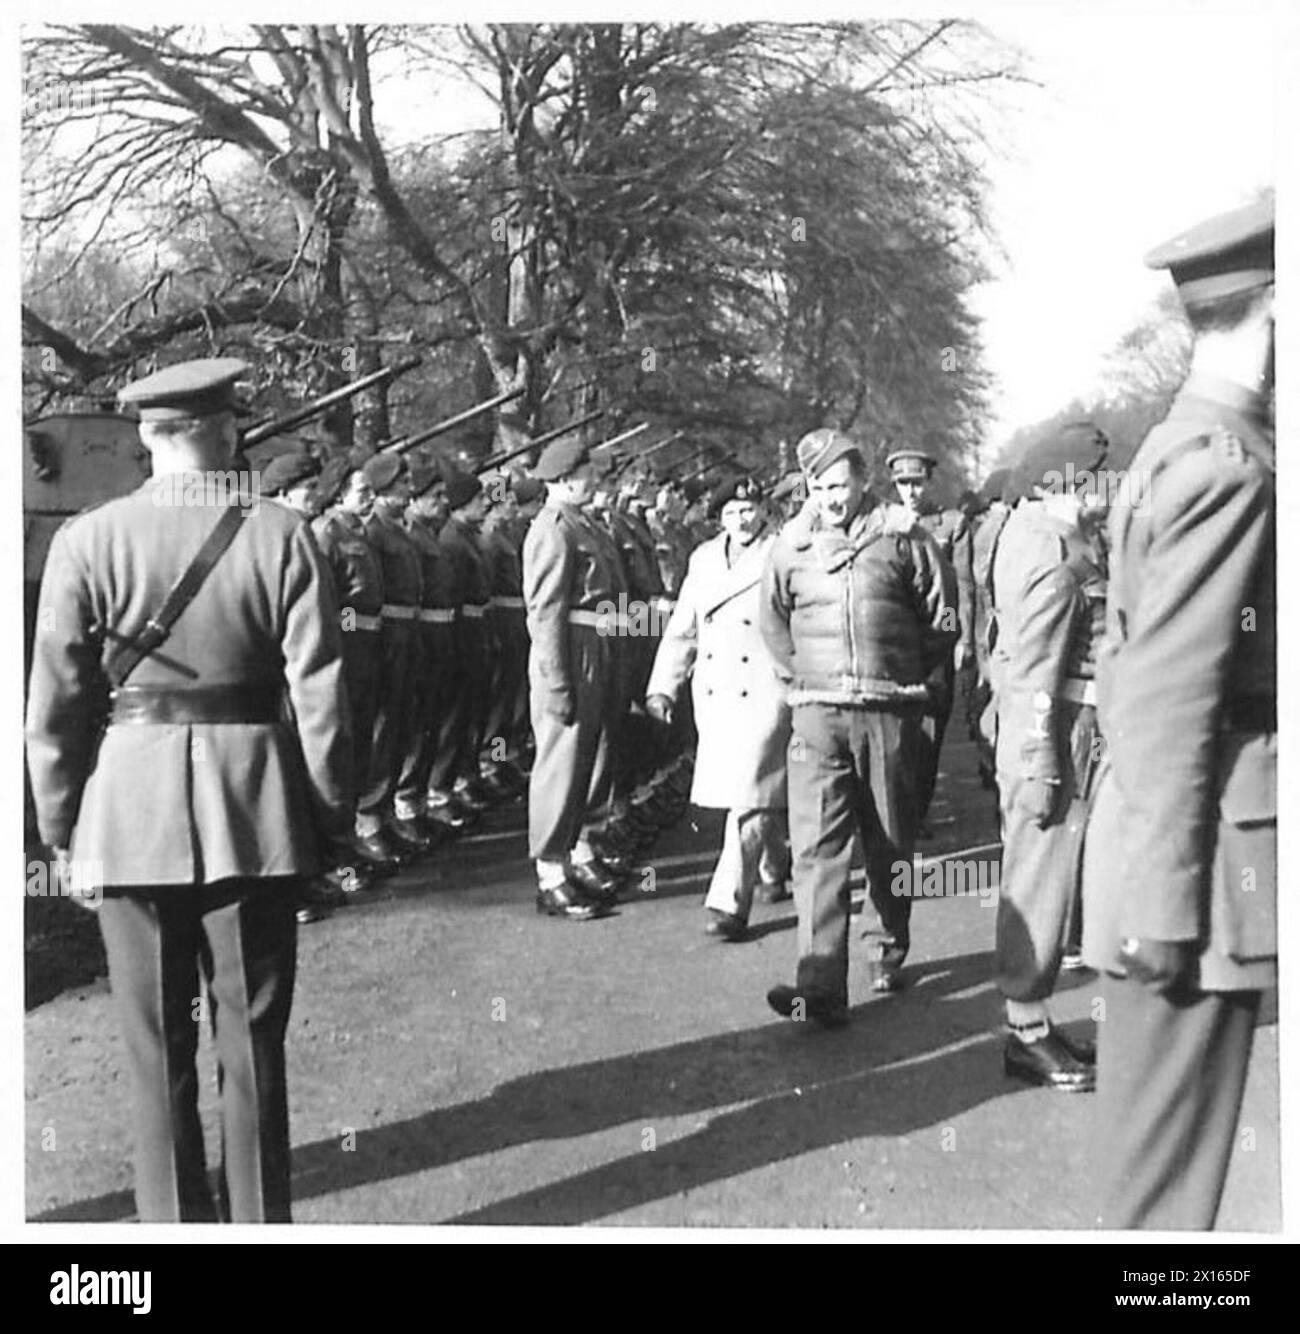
135,649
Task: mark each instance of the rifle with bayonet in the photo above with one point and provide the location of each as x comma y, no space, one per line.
278,425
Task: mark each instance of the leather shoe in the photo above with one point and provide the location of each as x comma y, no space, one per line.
594,880
774,891
381,850
568,901
444,809
412,831
341,881
473,796
726,926
827,1012
1049,1063
1084,1049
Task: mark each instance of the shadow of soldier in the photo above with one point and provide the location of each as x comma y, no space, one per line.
902,1065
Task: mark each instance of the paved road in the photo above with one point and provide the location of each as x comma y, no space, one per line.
455,1058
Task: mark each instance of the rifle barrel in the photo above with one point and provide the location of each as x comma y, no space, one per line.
265,430
536,441
623,435
403,443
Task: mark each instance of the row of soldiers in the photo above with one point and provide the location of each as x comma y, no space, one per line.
427,563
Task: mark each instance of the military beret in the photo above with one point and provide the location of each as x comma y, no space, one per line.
1078,446
560,458
1227,254
189,389
527,489
693,488
421,472
331,478
382,471
287,470
461,486
741,487
819,449
908,463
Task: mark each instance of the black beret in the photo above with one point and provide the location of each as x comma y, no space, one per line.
287,470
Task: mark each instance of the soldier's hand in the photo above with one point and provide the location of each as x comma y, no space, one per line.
660,708
1161,966
1040,799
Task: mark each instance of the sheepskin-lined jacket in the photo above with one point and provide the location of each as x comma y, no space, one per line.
860,616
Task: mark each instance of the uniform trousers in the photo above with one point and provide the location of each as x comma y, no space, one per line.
849,768
571,782
753,848
399,665
460,728
361,676
1041,889
240,937
509,669
1171,1071
934,724
428,703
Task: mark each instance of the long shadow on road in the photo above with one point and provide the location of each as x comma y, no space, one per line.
777,1091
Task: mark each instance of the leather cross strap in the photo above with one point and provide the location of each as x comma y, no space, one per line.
133,652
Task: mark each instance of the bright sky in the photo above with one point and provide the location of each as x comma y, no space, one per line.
1147,123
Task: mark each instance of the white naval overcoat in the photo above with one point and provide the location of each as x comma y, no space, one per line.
741,715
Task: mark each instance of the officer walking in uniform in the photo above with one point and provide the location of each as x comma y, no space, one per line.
857,612
1180,876
209,630
571,582
1049,583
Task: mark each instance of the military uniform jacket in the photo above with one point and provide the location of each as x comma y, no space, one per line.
857,617
440,585
1187,692
503,560
358,572
189,803
400,559
672,551
1051,592
568,567
713,639
460,547
951,533
637,552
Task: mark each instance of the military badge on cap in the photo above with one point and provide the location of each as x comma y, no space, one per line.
200,388
911,464
819,449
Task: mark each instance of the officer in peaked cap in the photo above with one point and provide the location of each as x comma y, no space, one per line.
910,471
219,780
1180,872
